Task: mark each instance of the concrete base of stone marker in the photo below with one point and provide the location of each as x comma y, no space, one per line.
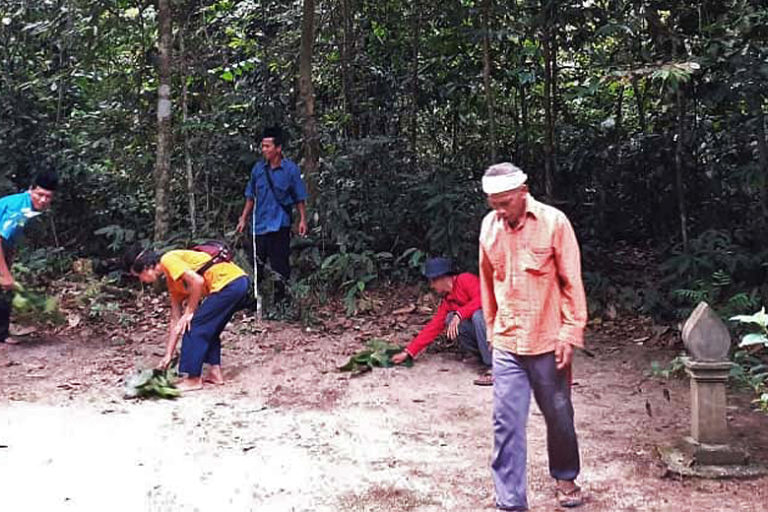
689,458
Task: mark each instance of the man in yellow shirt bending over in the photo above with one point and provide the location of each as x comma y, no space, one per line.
201,306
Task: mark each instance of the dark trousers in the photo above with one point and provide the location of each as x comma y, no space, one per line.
201,343
275,248
6,296
514,377
473,336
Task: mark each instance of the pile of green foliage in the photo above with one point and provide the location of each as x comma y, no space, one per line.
151,383
378,352
34,306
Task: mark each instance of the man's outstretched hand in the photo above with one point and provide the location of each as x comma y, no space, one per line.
165,362
400,357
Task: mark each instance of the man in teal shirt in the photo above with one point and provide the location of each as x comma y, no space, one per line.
15,212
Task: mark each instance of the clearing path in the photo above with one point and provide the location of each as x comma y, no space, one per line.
289,433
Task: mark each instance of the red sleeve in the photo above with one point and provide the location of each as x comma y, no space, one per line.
429,332
469,287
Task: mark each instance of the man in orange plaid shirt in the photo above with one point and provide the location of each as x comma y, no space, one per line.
535,311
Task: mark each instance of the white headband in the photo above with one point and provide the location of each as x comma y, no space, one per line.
498,184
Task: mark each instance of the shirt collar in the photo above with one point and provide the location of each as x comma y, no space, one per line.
532,206
267,165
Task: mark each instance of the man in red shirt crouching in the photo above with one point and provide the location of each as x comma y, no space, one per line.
459,313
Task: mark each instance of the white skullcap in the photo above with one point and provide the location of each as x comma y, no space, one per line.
498,183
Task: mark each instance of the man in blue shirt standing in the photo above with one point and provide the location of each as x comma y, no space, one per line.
15,211
275,187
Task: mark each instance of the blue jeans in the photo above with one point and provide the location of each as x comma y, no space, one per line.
473,337
201,343
514,378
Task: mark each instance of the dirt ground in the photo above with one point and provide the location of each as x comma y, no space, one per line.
289,433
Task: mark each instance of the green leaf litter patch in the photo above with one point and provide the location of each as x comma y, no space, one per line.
151,383
30,305
378,353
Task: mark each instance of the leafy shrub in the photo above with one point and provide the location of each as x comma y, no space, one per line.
715,270
751,367
675,369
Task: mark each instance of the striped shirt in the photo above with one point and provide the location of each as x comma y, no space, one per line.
530,280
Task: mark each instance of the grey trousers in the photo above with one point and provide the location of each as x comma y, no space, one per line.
514,379
473,336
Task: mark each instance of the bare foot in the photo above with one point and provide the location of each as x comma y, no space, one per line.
12,341
214,376
190,384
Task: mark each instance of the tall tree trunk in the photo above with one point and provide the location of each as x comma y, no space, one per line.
618,113
307,96
513,92
414,114
525,127
269,117
640,100
679,178
187,143
756,106
549,51
487,78
164,135
345,51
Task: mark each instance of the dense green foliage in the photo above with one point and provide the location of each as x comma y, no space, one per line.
656,135
752,366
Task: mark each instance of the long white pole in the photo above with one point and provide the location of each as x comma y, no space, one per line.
255,266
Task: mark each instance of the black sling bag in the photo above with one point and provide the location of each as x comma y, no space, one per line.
286,209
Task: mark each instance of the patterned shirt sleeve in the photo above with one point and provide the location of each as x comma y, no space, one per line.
573,304
487,292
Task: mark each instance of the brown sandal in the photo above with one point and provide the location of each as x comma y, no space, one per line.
485,379
569,499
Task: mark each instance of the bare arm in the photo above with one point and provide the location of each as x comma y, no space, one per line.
195,284
247,209
173,334
6,278
302,207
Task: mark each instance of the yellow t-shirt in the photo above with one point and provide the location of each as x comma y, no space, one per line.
217,277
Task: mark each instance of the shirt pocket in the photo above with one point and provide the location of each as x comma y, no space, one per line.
538,261
283,190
